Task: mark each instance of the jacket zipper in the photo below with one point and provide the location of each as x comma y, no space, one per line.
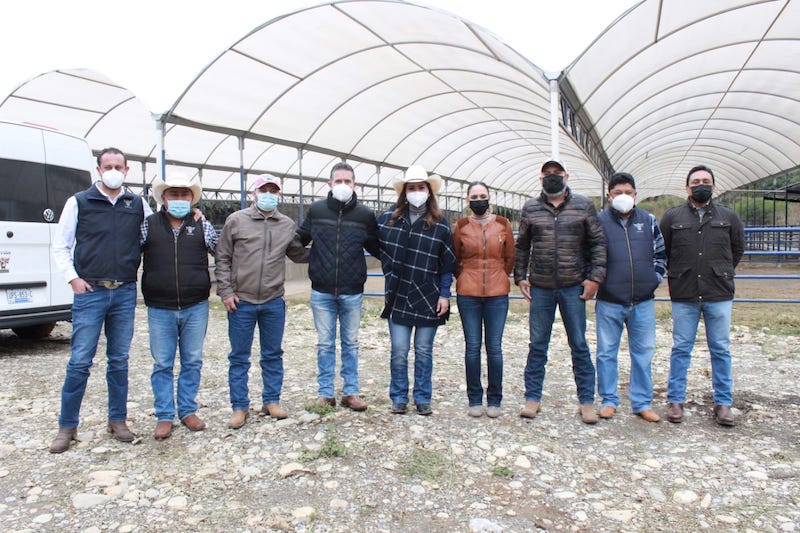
177,283
630,260
336,262
267,245
483,232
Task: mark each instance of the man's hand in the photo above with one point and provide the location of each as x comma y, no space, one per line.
198,215
230,303
79,286
589,289
525,289
442,306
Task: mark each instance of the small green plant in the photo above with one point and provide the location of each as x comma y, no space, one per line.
428,465
502,471
322,410
332,447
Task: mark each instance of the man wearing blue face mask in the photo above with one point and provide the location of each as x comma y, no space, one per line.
175,286
250,272
96,247
636,264
704,243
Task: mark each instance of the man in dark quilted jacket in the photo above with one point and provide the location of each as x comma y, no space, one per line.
560,262
339,229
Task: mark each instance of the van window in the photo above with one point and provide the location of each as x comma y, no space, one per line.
28,189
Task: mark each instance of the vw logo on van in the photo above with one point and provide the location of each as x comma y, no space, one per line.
48,215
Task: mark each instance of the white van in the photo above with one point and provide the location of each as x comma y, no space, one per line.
39,170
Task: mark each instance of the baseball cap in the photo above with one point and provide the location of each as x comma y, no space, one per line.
264,179
554,162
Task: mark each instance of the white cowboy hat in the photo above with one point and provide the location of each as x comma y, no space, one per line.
416,173
178,180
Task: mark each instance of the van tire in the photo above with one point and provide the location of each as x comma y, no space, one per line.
39,331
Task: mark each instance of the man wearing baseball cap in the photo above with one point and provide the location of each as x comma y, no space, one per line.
175,286
251,271
560,262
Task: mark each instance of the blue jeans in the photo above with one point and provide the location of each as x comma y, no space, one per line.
573,314
423,362
114,308
326,309
271,319
170,329
717,318
479,315
640,321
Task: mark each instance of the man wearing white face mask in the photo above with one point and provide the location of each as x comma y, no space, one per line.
251,272
96,247
339,229
636,263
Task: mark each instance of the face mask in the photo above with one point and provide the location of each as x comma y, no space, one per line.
179,208
479,207
622,203
701,193
417,198
342,192
112,178
267,201
553,185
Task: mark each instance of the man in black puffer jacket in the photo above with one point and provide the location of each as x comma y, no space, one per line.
560,261
340,229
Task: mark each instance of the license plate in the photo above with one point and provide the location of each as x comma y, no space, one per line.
19,296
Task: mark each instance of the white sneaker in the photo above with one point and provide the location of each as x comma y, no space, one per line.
493,411
475,410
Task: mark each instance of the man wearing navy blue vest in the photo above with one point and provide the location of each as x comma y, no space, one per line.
96,247
175,286
636,264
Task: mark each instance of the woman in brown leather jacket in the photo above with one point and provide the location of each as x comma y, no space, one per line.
484,248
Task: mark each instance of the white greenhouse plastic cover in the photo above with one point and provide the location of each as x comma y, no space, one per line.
385,84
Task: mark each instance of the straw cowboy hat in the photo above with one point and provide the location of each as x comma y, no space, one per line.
416,173
178,180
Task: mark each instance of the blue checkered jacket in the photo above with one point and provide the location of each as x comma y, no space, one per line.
418,267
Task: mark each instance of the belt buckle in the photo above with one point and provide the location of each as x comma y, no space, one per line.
111,285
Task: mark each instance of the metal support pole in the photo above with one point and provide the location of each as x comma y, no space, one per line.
242,176
554,145
300,190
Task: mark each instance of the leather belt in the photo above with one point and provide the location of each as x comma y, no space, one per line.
108,284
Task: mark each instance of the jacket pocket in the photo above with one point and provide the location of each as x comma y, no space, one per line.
423,297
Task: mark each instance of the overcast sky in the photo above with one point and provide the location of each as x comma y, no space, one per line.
156,47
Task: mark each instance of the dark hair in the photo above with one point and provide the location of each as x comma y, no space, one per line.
476,184
341,165
620,178
111,150
432,216
698,168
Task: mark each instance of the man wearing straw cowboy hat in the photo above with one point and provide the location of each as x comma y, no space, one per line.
176,286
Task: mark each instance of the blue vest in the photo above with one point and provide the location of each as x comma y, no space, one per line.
631,277
107,236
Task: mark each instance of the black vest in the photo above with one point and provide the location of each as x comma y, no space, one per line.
630,277
175,274
107,236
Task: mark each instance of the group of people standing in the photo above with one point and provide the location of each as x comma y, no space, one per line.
564,255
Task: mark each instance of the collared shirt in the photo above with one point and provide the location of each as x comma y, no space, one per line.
64,238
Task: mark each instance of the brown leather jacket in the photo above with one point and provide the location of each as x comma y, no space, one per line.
484,257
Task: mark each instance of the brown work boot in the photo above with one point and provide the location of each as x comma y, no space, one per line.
119,431
607,411
354,402
63,440
193,423
163,430
723,415
238,418
274,410
588,416
675,413
649,415
530,410
324,401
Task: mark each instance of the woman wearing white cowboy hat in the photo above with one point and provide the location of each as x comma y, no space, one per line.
418,263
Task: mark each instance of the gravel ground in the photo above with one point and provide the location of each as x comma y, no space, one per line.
374,471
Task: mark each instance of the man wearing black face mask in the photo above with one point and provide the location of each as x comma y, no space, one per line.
704,243
560,262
